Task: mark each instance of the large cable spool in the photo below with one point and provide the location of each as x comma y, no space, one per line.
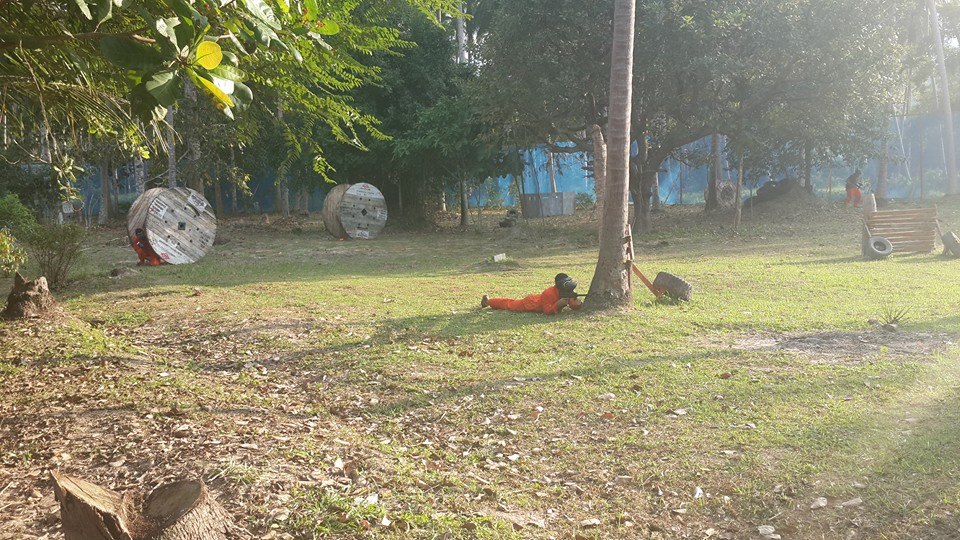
355,211
331,211
178,222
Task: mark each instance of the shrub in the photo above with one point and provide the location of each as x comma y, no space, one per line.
583,201
15,217
11,255
56,248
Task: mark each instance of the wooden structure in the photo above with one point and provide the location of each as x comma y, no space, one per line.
178,222
910,231
331,211
178,511
355,211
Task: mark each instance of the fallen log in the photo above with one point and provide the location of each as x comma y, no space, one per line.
28,298
182,510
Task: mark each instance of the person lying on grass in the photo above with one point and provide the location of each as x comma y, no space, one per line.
551,301
146,253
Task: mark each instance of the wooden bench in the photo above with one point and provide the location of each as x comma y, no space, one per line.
910,231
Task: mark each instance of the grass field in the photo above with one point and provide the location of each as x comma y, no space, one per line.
330,389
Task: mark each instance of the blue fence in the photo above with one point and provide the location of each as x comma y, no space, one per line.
916,166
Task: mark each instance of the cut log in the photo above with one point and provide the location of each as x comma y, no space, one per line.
28,298
179,511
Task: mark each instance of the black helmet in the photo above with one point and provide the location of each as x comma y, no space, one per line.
565,283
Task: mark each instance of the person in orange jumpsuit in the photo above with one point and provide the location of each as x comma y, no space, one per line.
146,253
550,302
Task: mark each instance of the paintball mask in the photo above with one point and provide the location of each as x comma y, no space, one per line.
566,285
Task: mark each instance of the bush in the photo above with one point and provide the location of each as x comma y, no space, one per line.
11,255
56,248
15,217
583,201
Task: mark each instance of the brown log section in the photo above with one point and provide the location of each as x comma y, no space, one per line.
179,511
28,298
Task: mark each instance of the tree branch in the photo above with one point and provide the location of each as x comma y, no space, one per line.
36,42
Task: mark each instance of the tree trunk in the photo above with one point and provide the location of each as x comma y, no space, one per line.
140,173
234,204
28,298
953,182
171,151
464,204
738,203
599,169
218,197
462,55
712,198
177,511
643,199
883,172
808,168
655,203
104,192
610,286
552,171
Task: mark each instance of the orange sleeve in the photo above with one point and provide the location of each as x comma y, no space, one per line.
549,299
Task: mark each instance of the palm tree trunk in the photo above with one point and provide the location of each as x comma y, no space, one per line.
610,286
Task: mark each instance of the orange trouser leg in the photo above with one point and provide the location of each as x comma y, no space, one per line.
508,304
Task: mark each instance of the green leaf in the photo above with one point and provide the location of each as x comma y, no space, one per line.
84,8
167,28
263,33
129,54
225,71
220,99
242,96
232,58
327,28
164,87
190,16
209,54
263,12
311,10
104,10
284,6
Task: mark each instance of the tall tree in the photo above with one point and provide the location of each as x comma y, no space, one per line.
953,181
610,286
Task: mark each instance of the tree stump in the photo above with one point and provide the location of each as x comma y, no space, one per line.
28,298
178,511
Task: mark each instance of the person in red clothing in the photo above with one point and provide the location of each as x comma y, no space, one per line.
854,187
550,302
144,251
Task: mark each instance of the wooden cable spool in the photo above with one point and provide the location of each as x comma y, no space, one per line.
179,223
355,211
331,211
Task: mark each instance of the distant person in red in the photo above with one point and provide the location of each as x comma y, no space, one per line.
144,251
550,302
854,194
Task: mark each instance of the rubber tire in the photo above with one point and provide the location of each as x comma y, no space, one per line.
676,287
951,244
878,248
